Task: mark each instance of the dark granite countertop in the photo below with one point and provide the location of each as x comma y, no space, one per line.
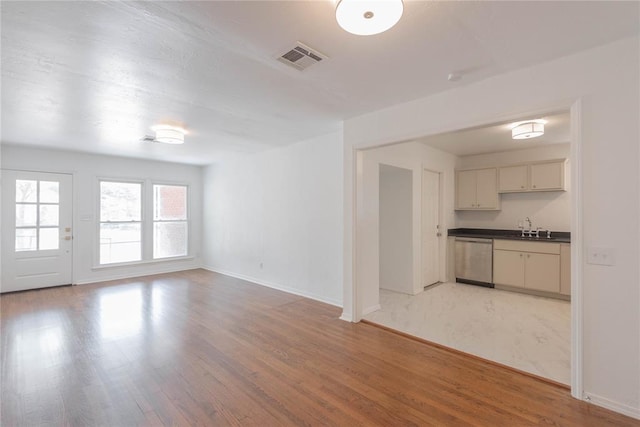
487,233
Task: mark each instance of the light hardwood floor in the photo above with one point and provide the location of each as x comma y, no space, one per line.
199,348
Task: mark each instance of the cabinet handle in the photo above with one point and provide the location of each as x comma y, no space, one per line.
534,186
522,186
520,255
528,255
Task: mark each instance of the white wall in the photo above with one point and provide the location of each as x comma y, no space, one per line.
603,86
275,218
415,157
549,210
86,169
396,232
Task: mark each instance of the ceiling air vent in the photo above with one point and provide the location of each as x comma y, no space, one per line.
301,57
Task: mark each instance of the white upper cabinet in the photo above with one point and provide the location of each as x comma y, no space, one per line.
466,189
486,191
547,176
513,178
477,189
540,176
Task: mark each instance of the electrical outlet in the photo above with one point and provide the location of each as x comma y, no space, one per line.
601,256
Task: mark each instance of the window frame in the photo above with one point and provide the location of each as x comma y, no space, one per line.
99,221
146,220
153,221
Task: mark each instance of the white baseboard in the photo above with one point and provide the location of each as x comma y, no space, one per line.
371,309
347,317
277,286
627,410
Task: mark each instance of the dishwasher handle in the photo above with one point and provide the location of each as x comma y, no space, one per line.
474,240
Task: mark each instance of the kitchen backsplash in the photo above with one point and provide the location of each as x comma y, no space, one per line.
549,210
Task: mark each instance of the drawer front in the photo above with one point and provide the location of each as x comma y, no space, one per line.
527,246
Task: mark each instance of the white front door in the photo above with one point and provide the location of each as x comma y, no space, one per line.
36,230
430,227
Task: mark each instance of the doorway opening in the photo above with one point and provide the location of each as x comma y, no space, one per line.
436,156
396,229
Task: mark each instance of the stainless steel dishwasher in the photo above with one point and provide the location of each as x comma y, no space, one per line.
474,261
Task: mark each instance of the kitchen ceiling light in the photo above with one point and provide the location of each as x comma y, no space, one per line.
367,17
169,134
527,130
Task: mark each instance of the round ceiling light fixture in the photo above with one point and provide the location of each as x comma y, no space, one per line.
368,17
527,130
169,134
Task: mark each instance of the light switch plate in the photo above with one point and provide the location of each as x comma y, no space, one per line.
601,256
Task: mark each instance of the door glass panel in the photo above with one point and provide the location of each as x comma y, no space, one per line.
35,209
48,215
26,239
49,238
49,192
26,191
26,215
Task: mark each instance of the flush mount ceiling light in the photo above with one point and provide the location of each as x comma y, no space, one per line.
367,17
527,130
169,134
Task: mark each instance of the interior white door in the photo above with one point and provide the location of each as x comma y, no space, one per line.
430,227
36,230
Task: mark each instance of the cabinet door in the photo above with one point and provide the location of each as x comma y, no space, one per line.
466,189
542,272
547,176
512,179
508,268
487,189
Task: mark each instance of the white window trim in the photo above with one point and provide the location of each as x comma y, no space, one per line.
187,220
146,220
143,262
96,255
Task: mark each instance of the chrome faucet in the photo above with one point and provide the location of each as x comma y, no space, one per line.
529,232
526,232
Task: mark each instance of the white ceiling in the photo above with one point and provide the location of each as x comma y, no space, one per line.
94,76
497,137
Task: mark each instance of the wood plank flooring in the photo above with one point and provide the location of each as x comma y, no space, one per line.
199,348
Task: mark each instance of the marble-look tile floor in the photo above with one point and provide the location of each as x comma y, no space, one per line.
522,331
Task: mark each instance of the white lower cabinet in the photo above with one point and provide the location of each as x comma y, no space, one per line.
542,272
532,266
508,268
565,269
